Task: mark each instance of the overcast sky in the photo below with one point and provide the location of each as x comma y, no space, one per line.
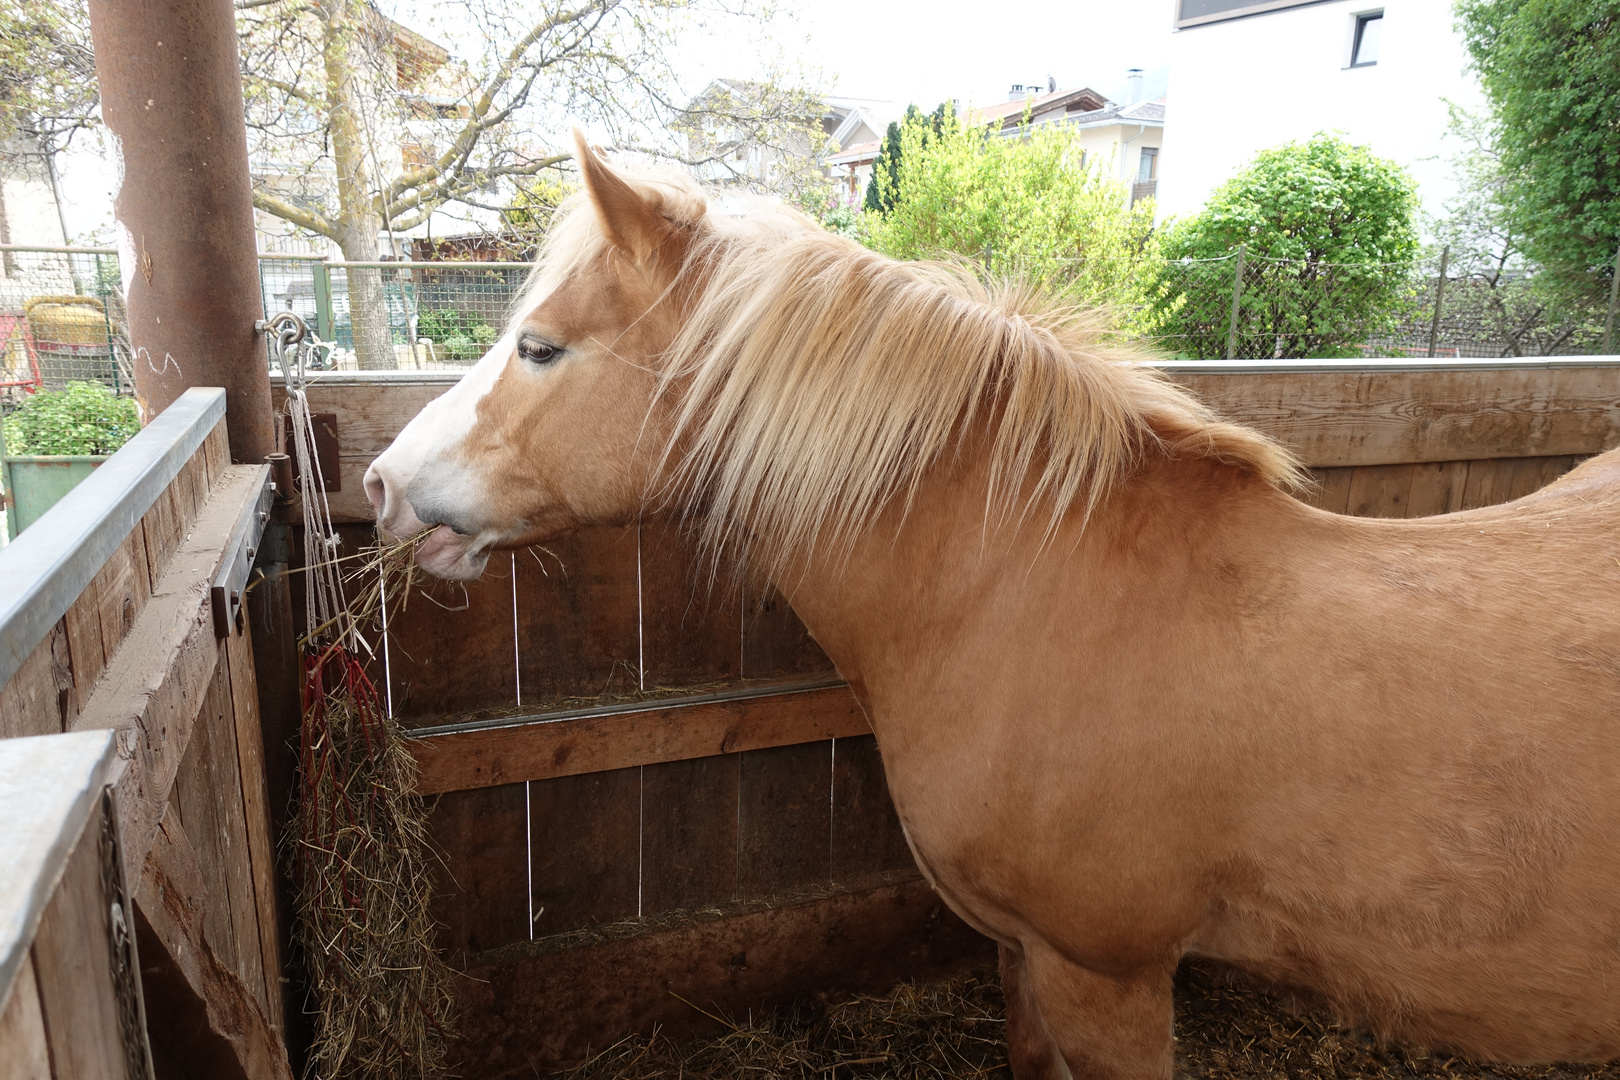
904,51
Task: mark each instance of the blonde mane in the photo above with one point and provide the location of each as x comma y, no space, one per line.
814,382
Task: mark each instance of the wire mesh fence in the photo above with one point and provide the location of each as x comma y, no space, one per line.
1244,307
396,315
62,316
61,320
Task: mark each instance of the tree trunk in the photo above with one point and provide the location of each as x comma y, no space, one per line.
345,59
368,306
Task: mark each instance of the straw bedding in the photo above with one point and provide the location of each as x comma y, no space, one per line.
1224,1031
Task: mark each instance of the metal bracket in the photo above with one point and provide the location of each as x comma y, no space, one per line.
231,580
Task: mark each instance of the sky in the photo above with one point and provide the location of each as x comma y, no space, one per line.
902,51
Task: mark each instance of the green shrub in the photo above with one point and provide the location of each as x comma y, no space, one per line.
1330,237
462,335
84,418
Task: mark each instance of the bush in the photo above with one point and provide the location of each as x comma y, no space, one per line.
1031,207
1330,239
462,335
83,418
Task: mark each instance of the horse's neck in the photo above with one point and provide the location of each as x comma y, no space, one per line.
891,610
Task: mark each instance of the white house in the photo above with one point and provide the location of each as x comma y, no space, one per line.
29,212
1249,75
1127,138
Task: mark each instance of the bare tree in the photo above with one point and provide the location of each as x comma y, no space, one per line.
364,128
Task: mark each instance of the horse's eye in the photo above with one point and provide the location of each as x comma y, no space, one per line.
536,351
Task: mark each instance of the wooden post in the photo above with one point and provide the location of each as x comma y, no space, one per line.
1439,298
171,93
1237,296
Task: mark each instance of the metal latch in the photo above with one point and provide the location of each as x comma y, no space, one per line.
237,565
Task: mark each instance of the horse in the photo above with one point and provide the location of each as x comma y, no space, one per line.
1135,701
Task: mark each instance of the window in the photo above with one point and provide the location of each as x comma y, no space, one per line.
1149,167
1364,50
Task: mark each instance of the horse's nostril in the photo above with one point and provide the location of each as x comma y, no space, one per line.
376,490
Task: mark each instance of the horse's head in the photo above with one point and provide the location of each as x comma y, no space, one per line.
555,427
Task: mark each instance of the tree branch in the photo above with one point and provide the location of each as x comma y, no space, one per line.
304,219
424,203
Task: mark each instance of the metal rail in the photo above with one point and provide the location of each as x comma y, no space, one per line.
51,562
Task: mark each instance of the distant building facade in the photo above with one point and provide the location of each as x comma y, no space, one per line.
1249,75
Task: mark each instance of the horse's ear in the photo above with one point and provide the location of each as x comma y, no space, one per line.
630,221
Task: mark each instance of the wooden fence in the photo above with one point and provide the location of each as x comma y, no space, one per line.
108,623
646,789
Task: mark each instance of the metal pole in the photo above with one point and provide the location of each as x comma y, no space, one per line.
1614,301
323,299
1439,297
171,95
1237,295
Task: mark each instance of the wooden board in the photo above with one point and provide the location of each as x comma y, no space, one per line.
261,850
784,818
481,880
585,855
1333,419
24,1053
866,833
74,967
689,833
202,789
578,617
691,626
1343,418
658,733
532,1008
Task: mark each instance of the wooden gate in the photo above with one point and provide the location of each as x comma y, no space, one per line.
647,790
122,613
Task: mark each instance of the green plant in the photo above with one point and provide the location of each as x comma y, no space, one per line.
1329,238
83,418
1551,71
1027,206
463,335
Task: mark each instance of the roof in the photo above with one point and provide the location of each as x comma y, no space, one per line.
1150,113
857,155
1070,101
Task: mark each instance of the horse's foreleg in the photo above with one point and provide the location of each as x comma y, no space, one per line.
1105,1028
1031,1050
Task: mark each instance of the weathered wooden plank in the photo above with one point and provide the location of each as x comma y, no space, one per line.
535,1008
585,859
1437,488
200,789
1379,491
1488,483
1351,417
163,527
1331,491
24,1053
481,889
688,833
122,589
691,627
784,818
775,643
151,690
74,967
657,733
86,652
578,617
250,750
212,1021
866,834
452,648
38,699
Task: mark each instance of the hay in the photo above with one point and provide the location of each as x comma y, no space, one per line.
379,994
954,1028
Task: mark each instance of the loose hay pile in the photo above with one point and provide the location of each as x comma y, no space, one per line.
954,1029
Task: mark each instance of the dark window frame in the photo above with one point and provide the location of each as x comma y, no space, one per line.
1355,41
